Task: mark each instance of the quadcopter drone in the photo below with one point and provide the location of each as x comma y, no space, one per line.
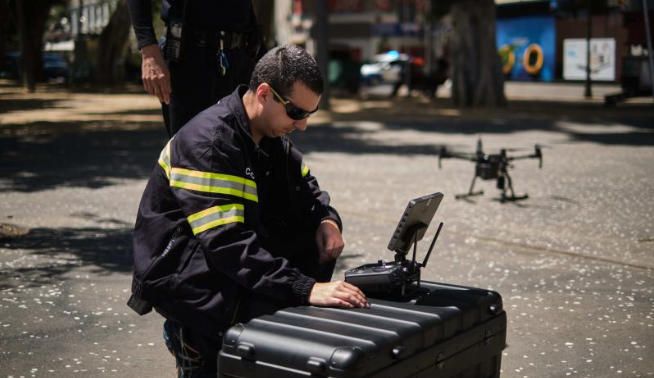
491,167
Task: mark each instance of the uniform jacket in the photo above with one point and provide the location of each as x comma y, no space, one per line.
211,205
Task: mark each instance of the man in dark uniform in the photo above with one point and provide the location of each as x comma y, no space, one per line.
232,224
210,48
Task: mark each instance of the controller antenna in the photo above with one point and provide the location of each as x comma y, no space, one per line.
431,247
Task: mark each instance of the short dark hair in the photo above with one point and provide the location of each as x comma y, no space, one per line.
284,65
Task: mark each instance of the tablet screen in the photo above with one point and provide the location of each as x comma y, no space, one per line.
414,222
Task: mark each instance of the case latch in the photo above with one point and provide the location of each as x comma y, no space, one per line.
245,350
316,365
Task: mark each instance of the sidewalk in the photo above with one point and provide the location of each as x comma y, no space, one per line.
559,91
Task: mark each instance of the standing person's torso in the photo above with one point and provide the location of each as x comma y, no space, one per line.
226,15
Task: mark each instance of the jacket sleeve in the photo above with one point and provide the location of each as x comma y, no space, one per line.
313,203
140,12
211,187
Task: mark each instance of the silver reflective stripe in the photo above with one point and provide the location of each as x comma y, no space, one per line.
216,216
213,183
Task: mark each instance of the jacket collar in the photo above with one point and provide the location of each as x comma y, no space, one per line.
234,103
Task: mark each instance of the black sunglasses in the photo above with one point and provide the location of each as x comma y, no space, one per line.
292,111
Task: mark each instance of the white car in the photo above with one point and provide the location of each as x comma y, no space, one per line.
385,68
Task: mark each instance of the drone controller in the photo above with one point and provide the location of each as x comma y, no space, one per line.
393,278
383,278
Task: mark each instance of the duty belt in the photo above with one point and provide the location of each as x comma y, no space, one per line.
216,38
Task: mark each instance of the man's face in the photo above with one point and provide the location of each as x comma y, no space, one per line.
278,110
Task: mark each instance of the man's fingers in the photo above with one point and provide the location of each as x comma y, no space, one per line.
340,303
158,86
352,294
163,82
360,296
155,74
147,86
337,293
157,92
355,292
353,299
357,299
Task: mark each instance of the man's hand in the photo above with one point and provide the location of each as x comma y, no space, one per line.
337,294
155,74
329,240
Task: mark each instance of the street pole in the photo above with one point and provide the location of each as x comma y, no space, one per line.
588,93
649,45
79,72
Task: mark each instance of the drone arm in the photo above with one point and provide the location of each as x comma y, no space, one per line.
531,156
538,154
462,156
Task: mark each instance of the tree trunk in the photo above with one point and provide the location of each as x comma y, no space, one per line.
112,46
5,11
476,68
31,17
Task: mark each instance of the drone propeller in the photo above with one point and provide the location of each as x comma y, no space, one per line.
443,154
539,154
480,149
514,149
447,154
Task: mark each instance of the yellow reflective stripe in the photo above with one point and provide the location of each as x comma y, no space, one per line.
210,182
164,159
305,169
216,216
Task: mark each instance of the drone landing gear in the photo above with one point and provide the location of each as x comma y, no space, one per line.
470,193
502,182
513,197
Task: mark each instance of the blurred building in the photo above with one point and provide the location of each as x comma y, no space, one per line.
83,18
361,28
539,40
545,40
90,16
74,36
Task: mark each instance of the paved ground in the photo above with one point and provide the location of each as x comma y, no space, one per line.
574,262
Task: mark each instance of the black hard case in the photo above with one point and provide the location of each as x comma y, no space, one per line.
437,330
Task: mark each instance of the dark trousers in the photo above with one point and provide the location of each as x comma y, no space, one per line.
193,355
196,355
197,82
